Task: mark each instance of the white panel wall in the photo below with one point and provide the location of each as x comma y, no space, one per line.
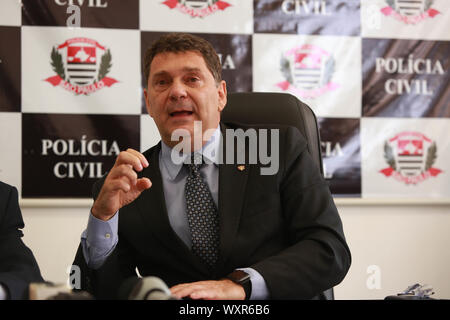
408,244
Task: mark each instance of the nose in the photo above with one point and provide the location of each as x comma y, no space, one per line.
177,91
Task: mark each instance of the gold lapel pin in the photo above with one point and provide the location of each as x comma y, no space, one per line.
241,168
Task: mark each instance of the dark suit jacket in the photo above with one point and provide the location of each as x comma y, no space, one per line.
285,226
17,264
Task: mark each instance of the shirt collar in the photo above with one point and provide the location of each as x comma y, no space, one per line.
210,152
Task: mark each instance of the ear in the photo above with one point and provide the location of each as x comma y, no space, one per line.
222,91
147,103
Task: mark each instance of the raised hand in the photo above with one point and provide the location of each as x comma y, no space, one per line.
122,185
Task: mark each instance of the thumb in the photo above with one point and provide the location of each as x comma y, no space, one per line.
143,184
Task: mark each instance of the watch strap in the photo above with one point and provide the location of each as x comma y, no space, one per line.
243,278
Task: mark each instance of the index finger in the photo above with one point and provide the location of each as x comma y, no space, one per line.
141,157
182,291
128,158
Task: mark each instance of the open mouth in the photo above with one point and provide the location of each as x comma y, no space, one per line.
181,113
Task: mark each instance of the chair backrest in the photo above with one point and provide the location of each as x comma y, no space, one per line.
277,108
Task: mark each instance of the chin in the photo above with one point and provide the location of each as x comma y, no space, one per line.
183,128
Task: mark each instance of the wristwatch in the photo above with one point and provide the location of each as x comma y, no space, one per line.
242,278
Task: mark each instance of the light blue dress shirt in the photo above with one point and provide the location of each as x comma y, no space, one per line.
101,237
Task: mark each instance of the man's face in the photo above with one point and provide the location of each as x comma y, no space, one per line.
181,90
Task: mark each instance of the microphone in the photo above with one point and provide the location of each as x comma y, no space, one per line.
52,291
147,288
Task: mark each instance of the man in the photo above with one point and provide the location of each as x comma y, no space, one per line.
213,231
18,268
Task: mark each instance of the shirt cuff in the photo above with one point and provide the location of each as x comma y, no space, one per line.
99,240
259,286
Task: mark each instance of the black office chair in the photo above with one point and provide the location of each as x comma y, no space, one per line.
277,108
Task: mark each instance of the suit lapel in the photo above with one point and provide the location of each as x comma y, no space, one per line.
232,185
152,207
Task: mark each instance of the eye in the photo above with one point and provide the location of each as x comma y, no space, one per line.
160,82
193,80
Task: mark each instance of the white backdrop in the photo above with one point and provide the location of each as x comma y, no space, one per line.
408,243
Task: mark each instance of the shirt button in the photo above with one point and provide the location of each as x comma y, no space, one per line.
107,236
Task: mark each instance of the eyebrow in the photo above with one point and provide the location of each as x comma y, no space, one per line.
185,69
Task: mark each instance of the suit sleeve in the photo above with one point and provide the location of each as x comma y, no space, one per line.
317,256
104,282
18,267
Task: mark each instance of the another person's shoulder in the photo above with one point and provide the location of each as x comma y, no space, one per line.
5,190
8,195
